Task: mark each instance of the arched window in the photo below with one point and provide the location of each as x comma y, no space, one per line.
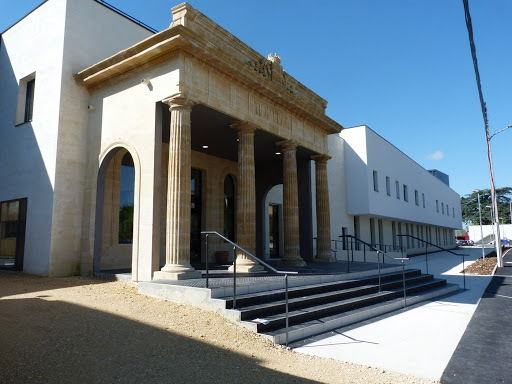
126,185
229,208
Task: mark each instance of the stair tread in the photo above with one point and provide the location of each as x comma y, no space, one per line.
325,319
312,286
293,313
329,293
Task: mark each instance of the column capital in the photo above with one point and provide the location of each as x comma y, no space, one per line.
321,158
179,101
287,145
244,126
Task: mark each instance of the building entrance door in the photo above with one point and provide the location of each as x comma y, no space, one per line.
195,216
13,216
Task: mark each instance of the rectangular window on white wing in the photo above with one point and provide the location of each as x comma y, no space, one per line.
388,186
375,181
25,105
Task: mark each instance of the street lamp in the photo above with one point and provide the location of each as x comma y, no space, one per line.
481,229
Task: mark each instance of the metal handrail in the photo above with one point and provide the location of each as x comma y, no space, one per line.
427,243
254,258
378,251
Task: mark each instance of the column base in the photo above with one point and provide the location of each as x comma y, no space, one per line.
328,258
176,272
246,267
295,262
161,275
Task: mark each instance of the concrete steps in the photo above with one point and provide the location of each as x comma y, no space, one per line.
315,304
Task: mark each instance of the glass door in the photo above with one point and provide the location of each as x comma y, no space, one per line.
273,230
12,233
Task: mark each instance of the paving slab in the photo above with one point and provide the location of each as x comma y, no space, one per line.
418,341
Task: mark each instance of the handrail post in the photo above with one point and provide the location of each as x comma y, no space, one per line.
464,270
234,278
426,256
207,271
286,304
348,254
403,282
378,265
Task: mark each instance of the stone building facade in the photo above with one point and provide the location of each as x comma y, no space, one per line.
138,141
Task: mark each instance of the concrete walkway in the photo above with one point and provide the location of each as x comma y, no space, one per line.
418,341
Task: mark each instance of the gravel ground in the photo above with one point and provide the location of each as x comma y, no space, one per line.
77,330
482,266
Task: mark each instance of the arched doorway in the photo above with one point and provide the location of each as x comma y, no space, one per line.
274,244
116,213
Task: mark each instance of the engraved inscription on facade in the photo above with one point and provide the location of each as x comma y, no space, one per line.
272,70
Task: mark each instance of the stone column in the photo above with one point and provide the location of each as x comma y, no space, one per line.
323,217
177,258
290,205
246,198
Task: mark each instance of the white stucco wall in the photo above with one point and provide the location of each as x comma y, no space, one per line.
380,155
28,151
45,160
488,231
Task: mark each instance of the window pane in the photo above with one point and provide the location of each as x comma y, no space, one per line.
29,100
126,200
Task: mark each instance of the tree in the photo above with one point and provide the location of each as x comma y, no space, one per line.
469,205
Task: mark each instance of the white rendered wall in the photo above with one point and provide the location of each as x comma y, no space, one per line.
28,151
44,160
378,154
489,230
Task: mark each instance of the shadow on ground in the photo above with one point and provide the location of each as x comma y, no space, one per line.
49,341
15,283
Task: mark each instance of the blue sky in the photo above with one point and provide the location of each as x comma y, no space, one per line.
403,67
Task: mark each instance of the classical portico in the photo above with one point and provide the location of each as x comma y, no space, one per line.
222,111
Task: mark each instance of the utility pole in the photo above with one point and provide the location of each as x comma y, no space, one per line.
481,229
488,136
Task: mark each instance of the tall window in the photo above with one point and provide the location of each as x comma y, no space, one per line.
400,244
126,200
453,212
381,232
29,100
447,210
437,206
423,198
357,232
406,193
407,233
344,232
393,234
397,187
229,208
372,232
416,197
25,104
388,186
442,208
375,181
